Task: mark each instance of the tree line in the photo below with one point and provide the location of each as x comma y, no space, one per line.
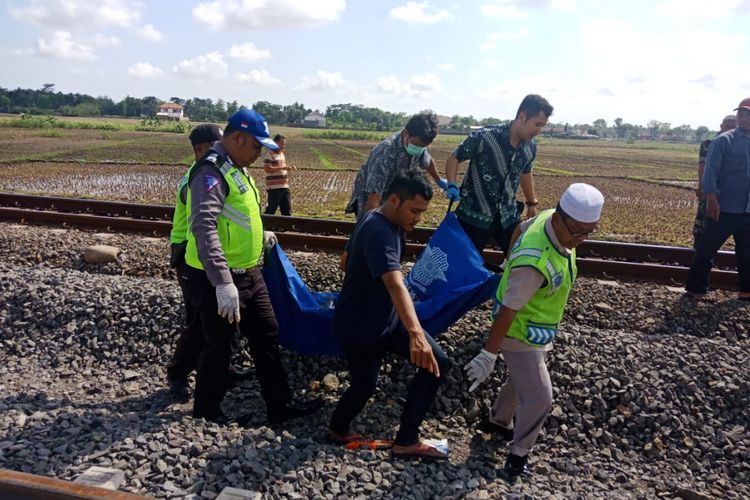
46,101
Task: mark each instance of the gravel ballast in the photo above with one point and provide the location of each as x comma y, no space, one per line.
651,391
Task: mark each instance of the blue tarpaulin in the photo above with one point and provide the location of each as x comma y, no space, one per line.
447,280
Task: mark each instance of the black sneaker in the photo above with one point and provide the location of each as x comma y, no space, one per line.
515,467
498,430
179,388
293,409
219,418
235,377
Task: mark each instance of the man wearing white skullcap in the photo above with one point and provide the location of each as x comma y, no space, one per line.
529,305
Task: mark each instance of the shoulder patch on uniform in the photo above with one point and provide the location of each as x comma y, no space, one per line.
209,182
213,158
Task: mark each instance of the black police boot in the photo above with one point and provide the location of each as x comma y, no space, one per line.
179,388
293,409
219,417
236,376
515,467
501,432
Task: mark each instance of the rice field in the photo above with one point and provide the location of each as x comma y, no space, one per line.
647,186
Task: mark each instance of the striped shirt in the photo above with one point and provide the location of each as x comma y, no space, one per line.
277,179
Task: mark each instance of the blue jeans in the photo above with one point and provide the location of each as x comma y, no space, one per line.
364,366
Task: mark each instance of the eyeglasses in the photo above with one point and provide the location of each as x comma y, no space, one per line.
577,234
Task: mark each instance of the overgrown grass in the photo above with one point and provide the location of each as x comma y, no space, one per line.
50,133
323,159
51,122
346,135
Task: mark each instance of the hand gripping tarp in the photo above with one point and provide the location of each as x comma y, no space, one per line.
447,280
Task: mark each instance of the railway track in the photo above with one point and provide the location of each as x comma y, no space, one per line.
595,258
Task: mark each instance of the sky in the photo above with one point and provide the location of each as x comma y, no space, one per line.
676,61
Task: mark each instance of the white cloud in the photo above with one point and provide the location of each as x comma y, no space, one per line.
75,14
502,9
697,9
417,13
62,45
419,86
145,70
248,52
150,33
517,9
101,40
323,80
491,39
23,52
259,77
708,81
241,15
205,66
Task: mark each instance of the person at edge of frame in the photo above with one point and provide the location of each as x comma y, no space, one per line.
530,301
225,246
726,182
728,123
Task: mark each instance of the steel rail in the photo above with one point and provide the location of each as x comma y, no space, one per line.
22,486
590,266
630,252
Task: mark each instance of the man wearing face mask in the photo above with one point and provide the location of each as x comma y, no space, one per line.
500,157
405,149
530,301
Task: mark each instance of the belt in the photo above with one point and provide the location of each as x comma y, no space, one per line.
241,271
244,270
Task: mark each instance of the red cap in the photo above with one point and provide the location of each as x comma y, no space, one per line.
744,104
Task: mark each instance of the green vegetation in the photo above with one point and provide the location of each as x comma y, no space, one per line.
346,135
348,150
51,122
156,125
50,133
48,122
322,158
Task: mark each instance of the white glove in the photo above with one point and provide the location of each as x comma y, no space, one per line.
269,240
480,368
228,299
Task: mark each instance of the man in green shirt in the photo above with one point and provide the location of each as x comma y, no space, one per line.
530,300
189,343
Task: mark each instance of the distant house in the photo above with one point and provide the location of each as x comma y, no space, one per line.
171,111
443,121
314,120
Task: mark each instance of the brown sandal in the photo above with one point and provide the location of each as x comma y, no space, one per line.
421,452
344,439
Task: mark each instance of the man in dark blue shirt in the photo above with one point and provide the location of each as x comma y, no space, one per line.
374,314
726,182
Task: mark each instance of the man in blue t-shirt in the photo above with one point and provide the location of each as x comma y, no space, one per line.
374,314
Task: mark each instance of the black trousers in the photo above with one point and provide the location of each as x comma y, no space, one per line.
190,342
257,323
279,198
715,233
480,237
700,222
364,367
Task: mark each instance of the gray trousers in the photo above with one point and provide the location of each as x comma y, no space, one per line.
527,394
